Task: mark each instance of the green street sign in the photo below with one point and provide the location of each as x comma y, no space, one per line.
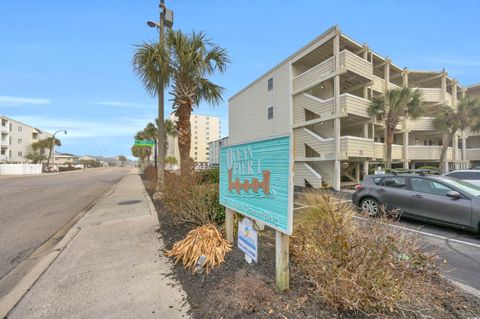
149,143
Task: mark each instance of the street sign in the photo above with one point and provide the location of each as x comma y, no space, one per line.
247,239
255,181
149,143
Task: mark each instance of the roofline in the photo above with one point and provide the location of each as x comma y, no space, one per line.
337,29
471,86
14,120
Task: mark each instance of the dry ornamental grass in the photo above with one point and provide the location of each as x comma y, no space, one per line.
202,241
366,266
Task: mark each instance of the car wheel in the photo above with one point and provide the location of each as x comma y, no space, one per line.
370,206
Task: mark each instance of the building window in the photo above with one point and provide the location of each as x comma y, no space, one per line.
19,141
270,112
20,154
3,151
20,128
270,84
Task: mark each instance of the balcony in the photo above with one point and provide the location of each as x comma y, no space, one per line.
351,104
352,62
3,143
473,154
325,70
434,95
421,124
313,76
3,158
352,146
3,129
379,84
381,151
421,152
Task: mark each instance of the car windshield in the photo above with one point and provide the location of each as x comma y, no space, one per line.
463,186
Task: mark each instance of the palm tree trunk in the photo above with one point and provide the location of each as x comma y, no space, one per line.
443,155
388,163
184,137
50,155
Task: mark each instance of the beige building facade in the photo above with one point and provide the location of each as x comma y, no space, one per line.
320,95
16,139
204,129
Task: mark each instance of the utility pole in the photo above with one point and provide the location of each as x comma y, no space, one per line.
166,19
53,146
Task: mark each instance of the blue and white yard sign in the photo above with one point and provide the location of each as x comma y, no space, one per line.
255,180
248,239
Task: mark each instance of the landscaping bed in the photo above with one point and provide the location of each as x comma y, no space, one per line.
237,289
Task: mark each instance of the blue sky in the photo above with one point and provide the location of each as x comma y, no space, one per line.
66,64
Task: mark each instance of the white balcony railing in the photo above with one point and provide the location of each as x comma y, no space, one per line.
348,62
422,152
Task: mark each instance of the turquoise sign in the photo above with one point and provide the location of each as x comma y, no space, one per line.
255,181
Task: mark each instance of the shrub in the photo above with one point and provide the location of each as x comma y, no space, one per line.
364,266
192,201
209,176
150,176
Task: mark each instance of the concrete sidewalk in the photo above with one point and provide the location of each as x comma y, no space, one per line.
112,268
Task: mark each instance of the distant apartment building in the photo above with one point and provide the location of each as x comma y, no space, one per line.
214,148
204,128
16,139
320,96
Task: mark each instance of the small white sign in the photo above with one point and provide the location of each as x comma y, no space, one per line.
247,239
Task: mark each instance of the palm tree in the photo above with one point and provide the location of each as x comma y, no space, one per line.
46,143
185,63
390,107
450,120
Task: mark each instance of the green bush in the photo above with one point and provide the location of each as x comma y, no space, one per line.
209,176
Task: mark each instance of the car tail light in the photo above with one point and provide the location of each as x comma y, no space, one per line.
358,187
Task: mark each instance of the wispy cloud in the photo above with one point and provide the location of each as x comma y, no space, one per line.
81,129
125,104
18,101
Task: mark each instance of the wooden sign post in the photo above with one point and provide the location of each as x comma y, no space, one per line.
282,271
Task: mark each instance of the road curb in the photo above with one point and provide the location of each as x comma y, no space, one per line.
466,288
9,301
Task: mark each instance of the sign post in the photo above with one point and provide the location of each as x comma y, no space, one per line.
256,181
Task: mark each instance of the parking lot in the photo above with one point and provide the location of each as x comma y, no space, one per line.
459,251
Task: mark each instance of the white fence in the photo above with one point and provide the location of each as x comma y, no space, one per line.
20,169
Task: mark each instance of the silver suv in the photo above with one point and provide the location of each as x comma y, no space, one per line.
436,199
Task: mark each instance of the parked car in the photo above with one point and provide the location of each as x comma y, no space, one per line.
437,199
469,175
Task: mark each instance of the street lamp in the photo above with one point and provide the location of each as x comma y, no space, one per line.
166,20
53,144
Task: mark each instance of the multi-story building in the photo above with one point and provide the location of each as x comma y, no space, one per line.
204,128
321,95
214,148
16,139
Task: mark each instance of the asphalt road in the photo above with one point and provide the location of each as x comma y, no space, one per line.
458,250
33,208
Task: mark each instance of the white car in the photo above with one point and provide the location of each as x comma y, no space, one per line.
471,176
